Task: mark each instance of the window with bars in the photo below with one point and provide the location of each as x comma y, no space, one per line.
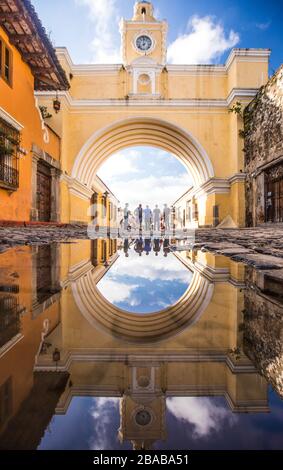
9,146
10,319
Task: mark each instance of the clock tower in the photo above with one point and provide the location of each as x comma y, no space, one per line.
144,49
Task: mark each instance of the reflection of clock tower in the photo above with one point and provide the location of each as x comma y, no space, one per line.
144,50
143,407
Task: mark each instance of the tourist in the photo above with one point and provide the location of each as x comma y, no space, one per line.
156,218
139,215
147,218
126,216
166,214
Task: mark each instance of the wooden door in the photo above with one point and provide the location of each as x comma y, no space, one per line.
43,193
274,200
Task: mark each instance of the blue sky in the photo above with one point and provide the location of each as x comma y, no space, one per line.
200,31
86,27
145,284
197,423
145,175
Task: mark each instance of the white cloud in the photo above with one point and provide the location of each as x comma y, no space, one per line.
151,190
205,42
115,291
150,269
144,175
202,413
105,19
118,165
102,412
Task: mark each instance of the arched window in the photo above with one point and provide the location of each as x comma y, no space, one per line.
143,11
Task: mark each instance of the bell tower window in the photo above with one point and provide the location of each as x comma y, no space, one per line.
143,12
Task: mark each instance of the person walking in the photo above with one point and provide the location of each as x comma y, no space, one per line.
139,215
126,216
147,218
166,215
156,218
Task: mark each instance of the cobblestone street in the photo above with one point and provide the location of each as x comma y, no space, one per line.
261,247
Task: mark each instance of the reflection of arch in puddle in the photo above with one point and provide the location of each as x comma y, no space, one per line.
137,328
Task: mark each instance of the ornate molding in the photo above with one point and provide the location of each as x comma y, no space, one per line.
10,120
44,128
77,188
74,104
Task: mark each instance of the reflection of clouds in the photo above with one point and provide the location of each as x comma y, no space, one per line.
202,413
102,412
145,284
114,290
150,267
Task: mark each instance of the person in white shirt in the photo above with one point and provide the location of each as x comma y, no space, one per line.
156,218
166,214
147,218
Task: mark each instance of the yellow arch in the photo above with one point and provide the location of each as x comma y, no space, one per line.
155,327
142,131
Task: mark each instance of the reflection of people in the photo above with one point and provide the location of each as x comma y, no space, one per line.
166,214
166,247
132,221
139,246
156,218
147,218
156,244
147,246
126,247
126,216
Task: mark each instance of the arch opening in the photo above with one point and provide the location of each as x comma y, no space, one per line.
142,132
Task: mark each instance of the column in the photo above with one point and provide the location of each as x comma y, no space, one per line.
34,209
55,194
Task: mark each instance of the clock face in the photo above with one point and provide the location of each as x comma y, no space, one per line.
143,418
144,43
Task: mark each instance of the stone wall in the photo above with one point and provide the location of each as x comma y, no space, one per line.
263,121
262,336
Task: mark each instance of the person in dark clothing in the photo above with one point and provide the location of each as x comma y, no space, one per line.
139,247
139,215
157,247
166,247
147,246
126,247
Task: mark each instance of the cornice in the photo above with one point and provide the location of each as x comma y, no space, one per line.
238,178
216,186
10,120
72,103
241,93
242,55
78,189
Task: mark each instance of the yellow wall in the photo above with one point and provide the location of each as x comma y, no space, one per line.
18,361
18,101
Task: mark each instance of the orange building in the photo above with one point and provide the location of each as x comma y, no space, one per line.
29,149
